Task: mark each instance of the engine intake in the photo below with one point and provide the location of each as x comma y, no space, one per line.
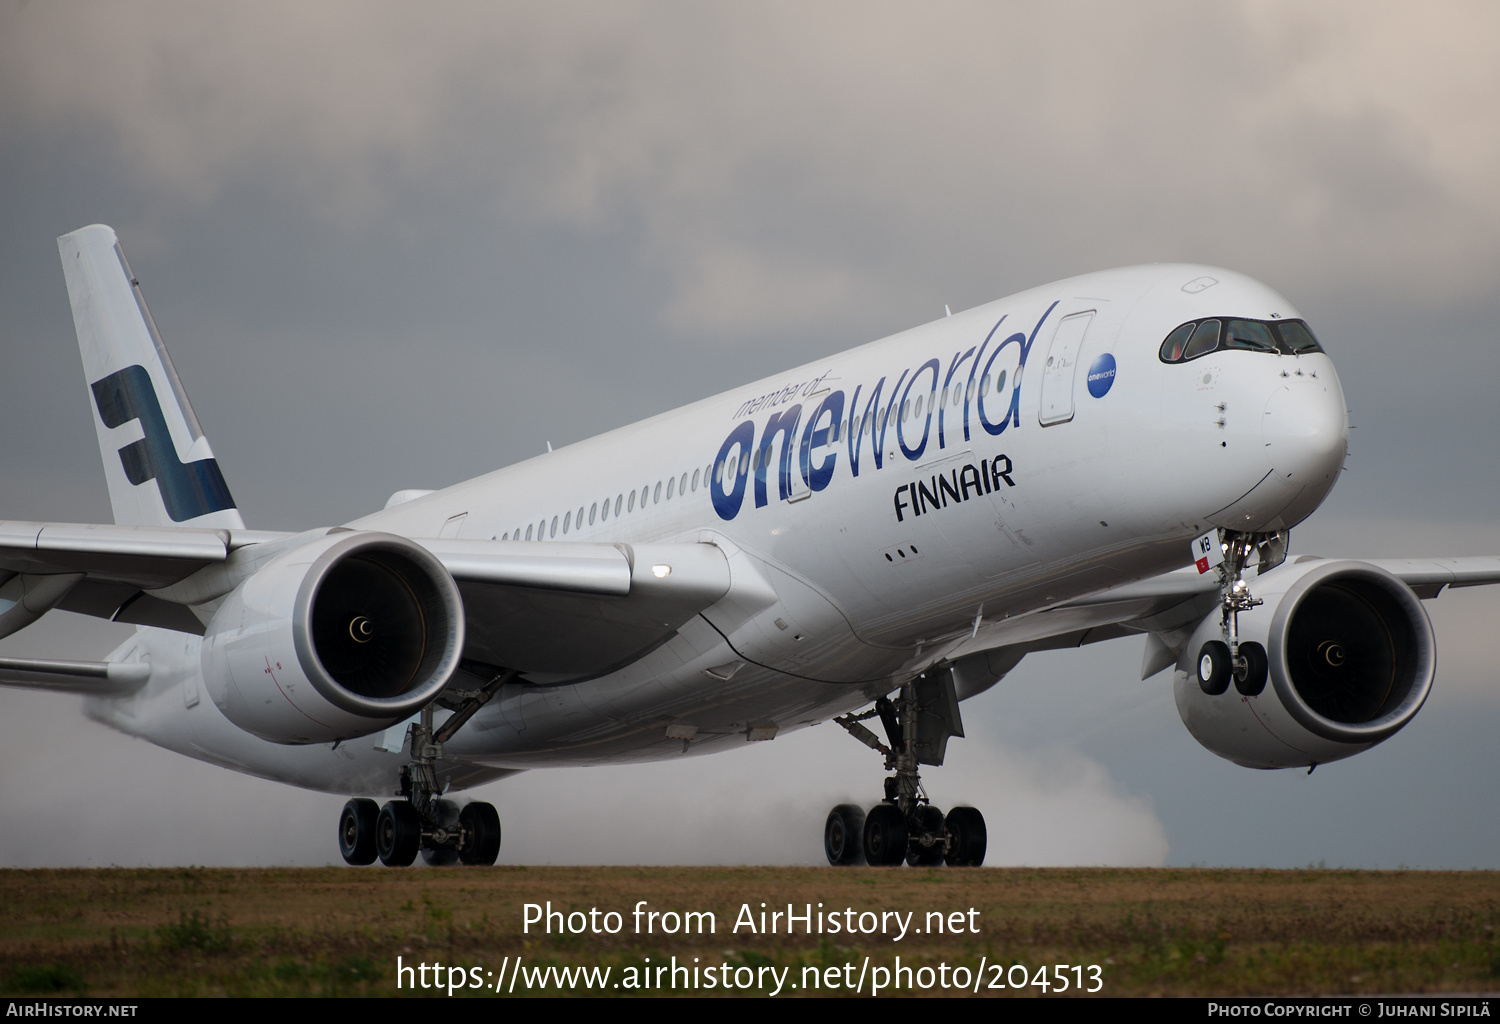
1353,655
341,637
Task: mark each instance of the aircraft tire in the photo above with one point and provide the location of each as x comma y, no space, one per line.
398,834
357,831
929,821
1215,667
967,837
885,835
482,822
1253,681
844,835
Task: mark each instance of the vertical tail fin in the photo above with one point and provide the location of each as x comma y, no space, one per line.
157,462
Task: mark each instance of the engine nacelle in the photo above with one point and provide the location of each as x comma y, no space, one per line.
1351,658
341,637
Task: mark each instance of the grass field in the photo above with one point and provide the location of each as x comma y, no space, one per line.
337,932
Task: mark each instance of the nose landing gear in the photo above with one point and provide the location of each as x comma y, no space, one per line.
1221,662
905,826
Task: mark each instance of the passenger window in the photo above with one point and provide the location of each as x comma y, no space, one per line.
592,509
1296,339
554,527
1249,334
1171,349
695,481
528,531
1000,383
985,384
656,498
618,499
1204,340
918,411
505,536
670,481
567,519
631,506
682,485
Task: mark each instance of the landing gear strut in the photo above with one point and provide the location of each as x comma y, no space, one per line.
905,826
419,821
1223,661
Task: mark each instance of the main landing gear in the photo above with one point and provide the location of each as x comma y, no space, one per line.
1221,662
905,825
419,821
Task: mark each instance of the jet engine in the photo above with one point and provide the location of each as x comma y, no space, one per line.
1348,653
337,638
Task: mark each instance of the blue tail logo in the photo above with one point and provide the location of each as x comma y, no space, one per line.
188,490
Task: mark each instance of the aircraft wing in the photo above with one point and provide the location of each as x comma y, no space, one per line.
95,678
552,610
1426,576
1166,609
557,611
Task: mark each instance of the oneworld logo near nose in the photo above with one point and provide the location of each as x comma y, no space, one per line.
1102,375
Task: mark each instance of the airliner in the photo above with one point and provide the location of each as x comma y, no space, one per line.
872,538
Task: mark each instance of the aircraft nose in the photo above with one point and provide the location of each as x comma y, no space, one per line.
1306,433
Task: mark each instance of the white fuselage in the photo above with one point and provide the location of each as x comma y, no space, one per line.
881,510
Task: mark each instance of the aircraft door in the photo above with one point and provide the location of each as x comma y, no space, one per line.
1061,367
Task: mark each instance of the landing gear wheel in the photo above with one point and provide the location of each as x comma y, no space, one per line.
441,853
398,834
925,849
1253,679
885,835
967,838
1215,667
481,825
357,831
844,835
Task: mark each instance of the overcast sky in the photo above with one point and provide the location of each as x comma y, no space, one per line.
396,245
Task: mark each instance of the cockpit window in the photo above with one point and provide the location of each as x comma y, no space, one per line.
1171,349
1296,338
1199,337
1249,334
1205,339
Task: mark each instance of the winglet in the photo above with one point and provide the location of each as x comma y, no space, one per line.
159,466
